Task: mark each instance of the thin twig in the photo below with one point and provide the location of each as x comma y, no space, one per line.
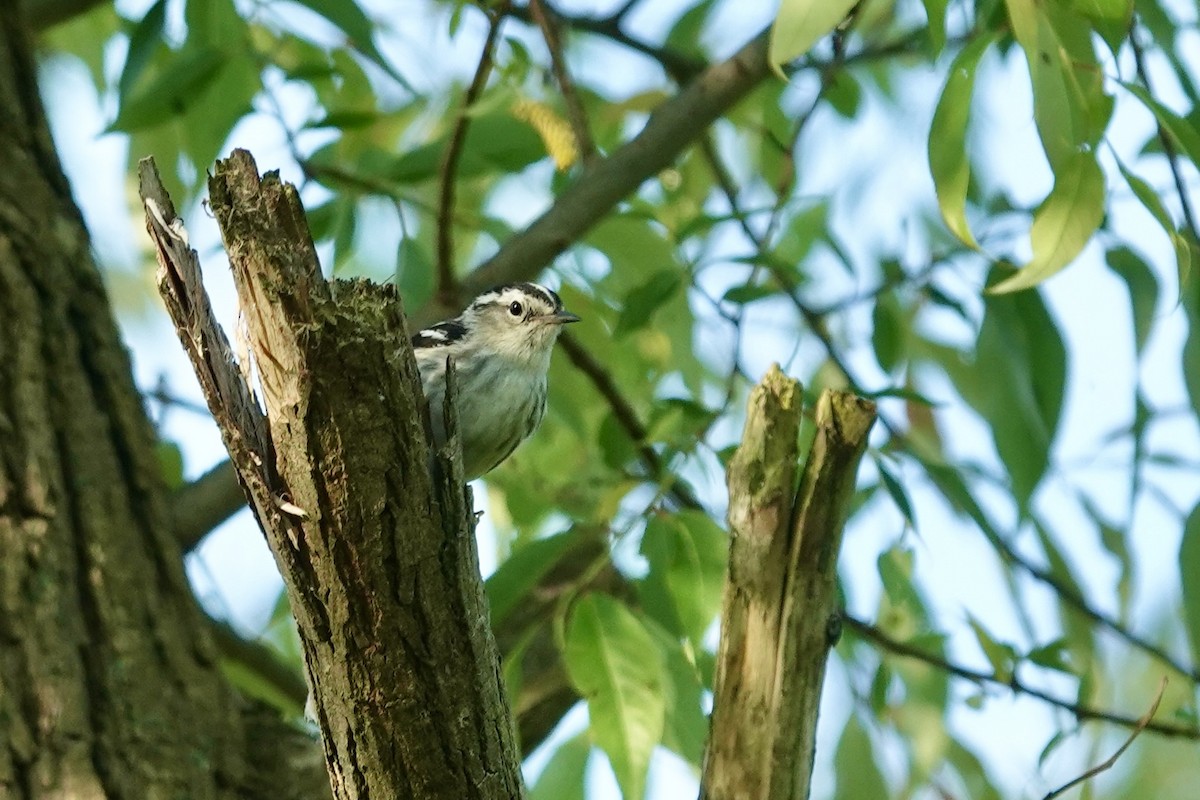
1073,599
1078,710
620,14
548,23
786,281
1107,765
447,286
677,65
1168,146
332,173
162,395
627,417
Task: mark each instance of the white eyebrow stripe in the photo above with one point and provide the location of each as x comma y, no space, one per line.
520,292
486,299
546,294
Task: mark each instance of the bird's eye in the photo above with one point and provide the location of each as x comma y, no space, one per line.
515,309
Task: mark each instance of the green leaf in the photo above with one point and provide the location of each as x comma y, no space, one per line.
1115,541
1142,285
948,161
414,273
335,222
881,686
800,24
1052,745
1079,634
615,446
1182,133
687,552
85,36
889,332
897,491
495,142
172,90
1153,203
843,93
145,38
499,141
1000,655
678,422
250,681
902,610
749,292
421,163
1054,655
969,768
614,664
170,463
207,122
563,776
1191,345
1070,106
935,13
1017,384
345,119
511,583
215,23
1189,579
686,34
858,775
686,727
642,301
1063,224
630,244
1110,18
347,17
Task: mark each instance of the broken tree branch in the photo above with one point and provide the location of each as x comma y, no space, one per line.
780,605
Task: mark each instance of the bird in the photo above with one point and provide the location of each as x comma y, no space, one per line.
500,346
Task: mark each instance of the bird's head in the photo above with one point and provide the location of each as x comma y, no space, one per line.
520,321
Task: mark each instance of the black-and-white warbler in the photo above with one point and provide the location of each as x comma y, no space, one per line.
500,346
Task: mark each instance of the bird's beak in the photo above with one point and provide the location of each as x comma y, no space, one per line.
562,318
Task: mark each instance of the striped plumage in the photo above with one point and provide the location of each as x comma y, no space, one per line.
501,346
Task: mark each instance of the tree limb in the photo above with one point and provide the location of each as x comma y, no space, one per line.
200,506
779,594
376,549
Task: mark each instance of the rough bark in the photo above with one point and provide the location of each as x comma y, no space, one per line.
376,548
109,687
779,595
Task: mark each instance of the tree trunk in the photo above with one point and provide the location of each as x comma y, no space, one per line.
373,533
109,687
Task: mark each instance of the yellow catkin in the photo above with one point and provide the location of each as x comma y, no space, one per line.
555,133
